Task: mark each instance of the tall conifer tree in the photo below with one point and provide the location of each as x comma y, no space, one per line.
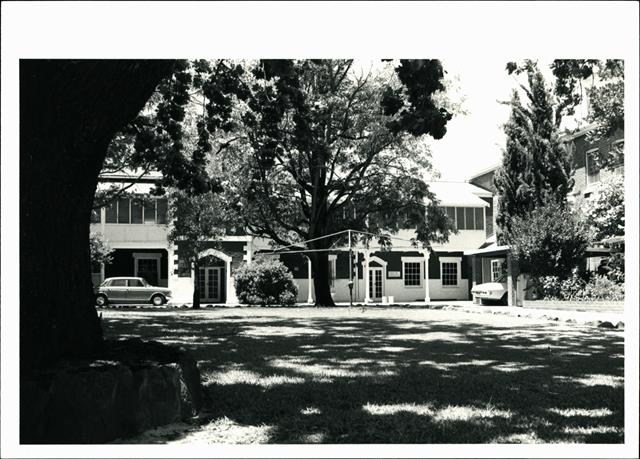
536,169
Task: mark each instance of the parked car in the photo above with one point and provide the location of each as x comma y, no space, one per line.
491,291
130,290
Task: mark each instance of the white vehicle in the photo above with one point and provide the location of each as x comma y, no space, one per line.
491,291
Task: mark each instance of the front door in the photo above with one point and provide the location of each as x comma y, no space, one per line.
209,280
375,283
148,269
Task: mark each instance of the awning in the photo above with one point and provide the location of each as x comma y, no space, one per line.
597,251
493,249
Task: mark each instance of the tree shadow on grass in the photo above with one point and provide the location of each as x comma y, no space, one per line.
373,379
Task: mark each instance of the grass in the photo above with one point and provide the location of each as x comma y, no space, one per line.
390,376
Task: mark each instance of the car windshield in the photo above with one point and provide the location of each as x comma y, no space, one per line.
145,283
502,278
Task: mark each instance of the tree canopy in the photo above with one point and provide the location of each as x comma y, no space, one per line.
547,241
326,147
535,169
195,221
602,82
302,149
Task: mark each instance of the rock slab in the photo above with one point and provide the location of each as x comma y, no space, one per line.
148,385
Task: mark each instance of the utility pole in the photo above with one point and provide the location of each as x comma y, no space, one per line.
350,272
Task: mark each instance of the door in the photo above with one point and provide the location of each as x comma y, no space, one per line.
375,283
209,280
138,293
117,290
149,269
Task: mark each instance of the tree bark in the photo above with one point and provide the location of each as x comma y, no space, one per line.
69,112
320,268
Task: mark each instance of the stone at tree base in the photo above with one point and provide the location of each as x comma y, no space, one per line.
136,386
620,325
606,324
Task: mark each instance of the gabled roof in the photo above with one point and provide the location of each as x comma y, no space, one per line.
484,171
460,194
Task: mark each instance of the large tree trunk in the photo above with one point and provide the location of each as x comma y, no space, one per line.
69,112
320,269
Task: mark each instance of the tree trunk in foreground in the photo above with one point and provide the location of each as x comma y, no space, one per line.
69,112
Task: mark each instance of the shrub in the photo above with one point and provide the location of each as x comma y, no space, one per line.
265,282
575,288
601,288
548,241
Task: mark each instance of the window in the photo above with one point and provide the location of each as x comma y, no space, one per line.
162,211
135,283
112,213
150,211
460,218
123,211
469,217
451,213
136,211
449,273
412,274
496,269
479,218
617,154
466,218
119,283
593,169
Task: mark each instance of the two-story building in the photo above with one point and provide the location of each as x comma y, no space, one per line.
490,260
136,227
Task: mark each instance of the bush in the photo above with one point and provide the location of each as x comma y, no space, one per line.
575,288
265,282
549,240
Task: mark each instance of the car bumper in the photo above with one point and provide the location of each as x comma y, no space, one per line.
494,295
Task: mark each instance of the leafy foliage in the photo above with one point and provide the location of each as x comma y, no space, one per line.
549,240
604,212
322,157
265,282
535,168
99,250
605,94
575,288
302,148
195,221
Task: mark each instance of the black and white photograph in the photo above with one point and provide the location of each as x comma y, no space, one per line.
249,229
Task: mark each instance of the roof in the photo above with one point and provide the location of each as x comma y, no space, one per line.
135,188
484,171
460,194
580,132
493,249
130,176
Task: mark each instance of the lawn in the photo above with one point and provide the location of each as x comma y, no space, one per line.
390,376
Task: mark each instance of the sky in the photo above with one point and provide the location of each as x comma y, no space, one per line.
474,141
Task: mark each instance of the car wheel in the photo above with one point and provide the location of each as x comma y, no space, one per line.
157,300
101,300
